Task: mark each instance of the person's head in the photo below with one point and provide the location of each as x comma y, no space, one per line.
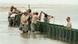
29,10
25,13
46,15
52,16
14,10
68,19
35,13
11,9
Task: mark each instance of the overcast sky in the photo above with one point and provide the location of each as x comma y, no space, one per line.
39,2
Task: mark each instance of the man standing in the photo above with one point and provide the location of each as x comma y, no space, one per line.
34,20
29,19
24,22
69,25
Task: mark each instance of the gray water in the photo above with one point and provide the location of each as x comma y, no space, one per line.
11,35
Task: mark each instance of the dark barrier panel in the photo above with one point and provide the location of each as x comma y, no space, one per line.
59,32
43,27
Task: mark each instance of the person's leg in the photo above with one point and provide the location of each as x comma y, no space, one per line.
29,27
9,20
18,20
32,27
25,28
18,23
10,23
21,27
13,22
35,26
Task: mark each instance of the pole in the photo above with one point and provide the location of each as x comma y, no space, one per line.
28,6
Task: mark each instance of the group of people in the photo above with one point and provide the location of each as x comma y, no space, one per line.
27,20
14,16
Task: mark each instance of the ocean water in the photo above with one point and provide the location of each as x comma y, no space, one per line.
11,35
60,12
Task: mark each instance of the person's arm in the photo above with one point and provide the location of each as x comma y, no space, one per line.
9,14
40,15
43,12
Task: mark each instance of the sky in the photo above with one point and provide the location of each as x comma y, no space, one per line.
39,2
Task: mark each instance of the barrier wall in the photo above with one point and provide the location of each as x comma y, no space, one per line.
59,32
